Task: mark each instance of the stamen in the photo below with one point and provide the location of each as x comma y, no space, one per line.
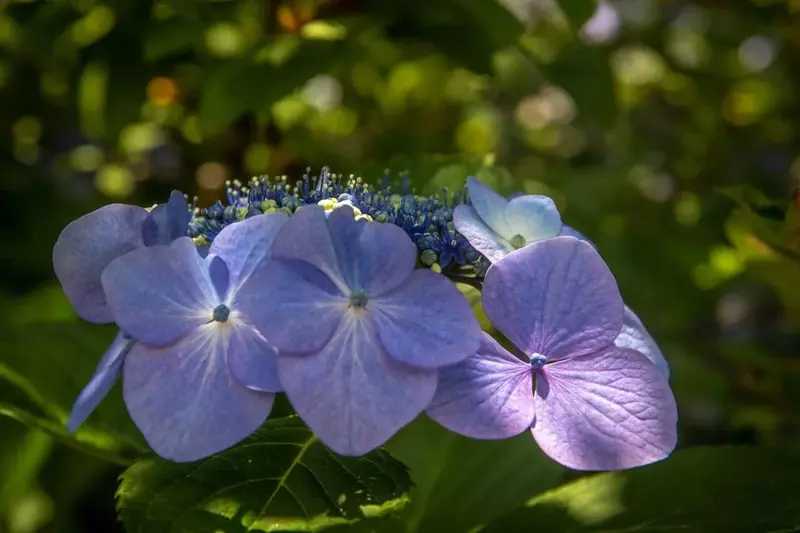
358,299
517,241
221,313
538,361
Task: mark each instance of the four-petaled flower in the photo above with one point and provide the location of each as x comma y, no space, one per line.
83,250
201,376
591,405
360,333
496,226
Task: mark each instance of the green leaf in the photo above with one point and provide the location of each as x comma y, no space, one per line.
708,490
48,364
461,483
279,479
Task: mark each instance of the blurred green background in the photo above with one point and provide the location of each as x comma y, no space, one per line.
665,131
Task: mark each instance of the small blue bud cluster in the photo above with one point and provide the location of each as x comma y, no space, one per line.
427,220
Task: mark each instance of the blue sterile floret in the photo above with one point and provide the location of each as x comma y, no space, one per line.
427,220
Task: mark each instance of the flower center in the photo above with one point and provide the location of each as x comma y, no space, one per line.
221,313
517,241
537,361
358,299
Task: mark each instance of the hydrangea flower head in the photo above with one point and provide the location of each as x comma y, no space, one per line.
496,226
360,333
201,376
591,405
82,252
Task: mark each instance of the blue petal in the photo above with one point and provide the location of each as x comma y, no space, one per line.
252,360
167,222
569,231
105,375
306,237
184,400
555,297
159,294
245,244
351,393
489,205
86,247
534,217
292,304
607,411
373,257
636,337
426,323
486,396
479,235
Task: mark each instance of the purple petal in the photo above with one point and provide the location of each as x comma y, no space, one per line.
184,400
252,360
167,222
486,396
607,411
159,294
351,393
555,297
86,247
479,235
569,231
373,257
105,375
534,217
489,205
294,305
636,337
245,244
427,323
306,237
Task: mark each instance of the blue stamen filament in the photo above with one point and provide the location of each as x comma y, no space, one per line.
538,361
221,313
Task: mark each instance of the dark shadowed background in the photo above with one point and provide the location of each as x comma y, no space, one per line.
665,131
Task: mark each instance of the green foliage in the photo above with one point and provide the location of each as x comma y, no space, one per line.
279,479
49,363
713,490
461,483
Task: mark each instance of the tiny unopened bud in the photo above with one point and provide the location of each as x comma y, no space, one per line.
428,257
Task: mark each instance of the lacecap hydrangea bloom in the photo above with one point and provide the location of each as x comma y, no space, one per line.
320,289
82,252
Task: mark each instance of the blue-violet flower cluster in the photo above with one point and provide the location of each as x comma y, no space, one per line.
344,297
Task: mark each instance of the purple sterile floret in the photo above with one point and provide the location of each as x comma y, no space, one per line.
634,334
83,250
591,405
201,376
359,332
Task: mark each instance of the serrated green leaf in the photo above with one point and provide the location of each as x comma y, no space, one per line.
49,363
708,490
460,483
279,479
